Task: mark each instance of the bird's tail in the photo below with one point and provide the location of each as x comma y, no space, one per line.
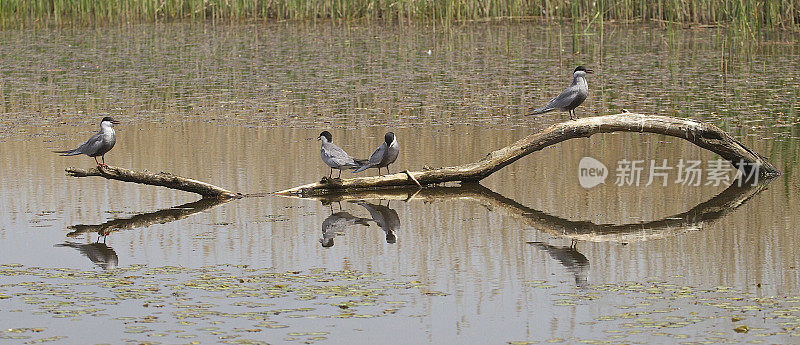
540,245
363,167
541,110
68,152
358,164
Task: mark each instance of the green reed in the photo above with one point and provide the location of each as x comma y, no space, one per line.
746,15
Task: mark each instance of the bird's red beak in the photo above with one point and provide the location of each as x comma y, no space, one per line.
588,71
115,122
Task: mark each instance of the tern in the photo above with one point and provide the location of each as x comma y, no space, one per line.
334,156
570,98
383,156
99,144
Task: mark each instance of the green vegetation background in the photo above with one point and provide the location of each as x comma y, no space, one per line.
751,15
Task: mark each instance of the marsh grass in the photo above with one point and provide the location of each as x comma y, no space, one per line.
744,15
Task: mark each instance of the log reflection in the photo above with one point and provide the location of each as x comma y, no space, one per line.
146,219
694,219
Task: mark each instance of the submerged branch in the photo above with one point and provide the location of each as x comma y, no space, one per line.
155,179
705,135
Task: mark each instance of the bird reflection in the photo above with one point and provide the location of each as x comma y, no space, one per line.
337,223
99,253
569,257
386,218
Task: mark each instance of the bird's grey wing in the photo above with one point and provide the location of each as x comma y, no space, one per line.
564,99
374,159
91,146
377,156
339,156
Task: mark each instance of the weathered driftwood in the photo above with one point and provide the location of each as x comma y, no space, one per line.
146,219
701,134
694,219
156,179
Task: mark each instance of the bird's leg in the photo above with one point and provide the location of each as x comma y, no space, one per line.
330,175
340,174
95,160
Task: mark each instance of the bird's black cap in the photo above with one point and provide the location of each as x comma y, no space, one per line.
327,135
581,68
109,119
389,137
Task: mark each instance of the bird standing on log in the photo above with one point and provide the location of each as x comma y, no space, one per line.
99,144
570,98
383,156
334,156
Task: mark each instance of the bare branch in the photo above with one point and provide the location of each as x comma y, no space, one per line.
156,179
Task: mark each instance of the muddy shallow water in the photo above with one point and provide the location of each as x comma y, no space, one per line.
241,106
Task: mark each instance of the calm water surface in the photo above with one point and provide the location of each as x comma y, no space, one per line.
529,255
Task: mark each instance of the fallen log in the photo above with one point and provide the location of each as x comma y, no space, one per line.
705,135
163,179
